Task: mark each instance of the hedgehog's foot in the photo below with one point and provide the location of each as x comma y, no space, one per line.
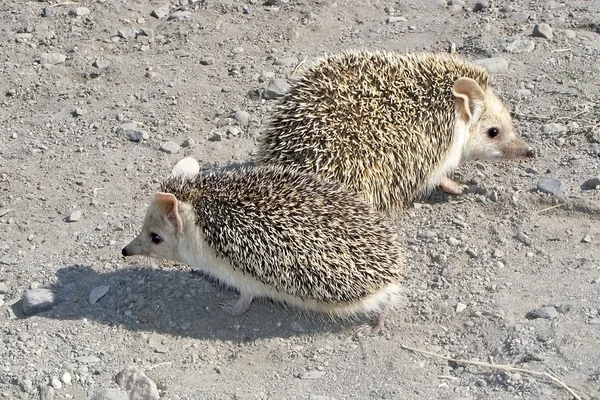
237,307
373,328
452,187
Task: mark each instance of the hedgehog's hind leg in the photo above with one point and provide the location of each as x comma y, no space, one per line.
452,187
237,307
374,328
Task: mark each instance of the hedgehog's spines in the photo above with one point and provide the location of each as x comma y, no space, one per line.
354,116
330,248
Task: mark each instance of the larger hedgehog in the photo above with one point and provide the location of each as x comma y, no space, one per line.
390,126
275,232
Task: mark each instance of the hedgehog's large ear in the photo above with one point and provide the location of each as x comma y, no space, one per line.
469,97
167,206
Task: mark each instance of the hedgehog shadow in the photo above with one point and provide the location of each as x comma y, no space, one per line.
177,302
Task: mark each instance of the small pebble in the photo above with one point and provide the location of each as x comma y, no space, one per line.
38,300
237,50
66,378
542,31
569,34
587,239
52,58
79,11
493,64
554,129
542,312
48,12
312,375
520,46
46,392
138,385
3,288
216,137
74,216
130,131
127,33
522,16
170,147
56,383
427,234
111,394
180,16
460,307
595,321
97,293
207,61
276,89
78,112
87,359
187,166
523,238
453,241
160,12
480,5
286,61
242,117
591,184
101,63
472,253
553,186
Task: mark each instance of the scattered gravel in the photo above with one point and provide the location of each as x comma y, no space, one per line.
86,102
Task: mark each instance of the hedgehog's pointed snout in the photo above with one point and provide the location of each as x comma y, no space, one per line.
124,252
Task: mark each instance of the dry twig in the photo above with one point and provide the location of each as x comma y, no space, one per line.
549,208
503,367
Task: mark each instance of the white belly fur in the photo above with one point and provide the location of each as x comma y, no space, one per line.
453,156
203,257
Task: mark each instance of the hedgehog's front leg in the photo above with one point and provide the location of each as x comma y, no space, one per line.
452,187
237,307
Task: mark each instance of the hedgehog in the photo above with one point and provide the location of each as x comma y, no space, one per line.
275,232
390,126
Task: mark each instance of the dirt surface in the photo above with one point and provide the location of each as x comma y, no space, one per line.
477,265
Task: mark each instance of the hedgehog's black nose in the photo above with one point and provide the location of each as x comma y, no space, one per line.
124,252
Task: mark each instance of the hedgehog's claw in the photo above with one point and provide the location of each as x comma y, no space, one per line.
371,329
237,307
452,187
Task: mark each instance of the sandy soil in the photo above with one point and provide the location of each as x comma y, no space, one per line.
478,264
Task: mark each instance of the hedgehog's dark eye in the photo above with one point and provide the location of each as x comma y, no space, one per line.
493,132
156,239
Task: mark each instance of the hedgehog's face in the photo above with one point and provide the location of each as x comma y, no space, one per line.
161,231
492,134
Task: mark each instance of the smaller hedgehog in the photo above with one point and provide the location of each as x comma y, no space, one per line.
390,126
277,233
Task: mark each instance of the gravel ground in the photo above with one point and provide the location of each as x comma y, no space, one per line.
99,100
